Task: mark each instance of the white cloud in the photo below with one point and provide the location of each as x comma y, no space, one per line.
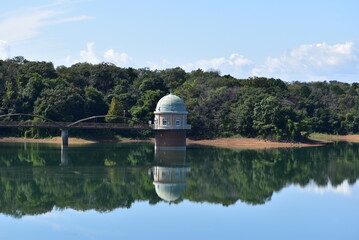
156,66
120,59
26,23
312,62
50,219
4,50
343,188
89,54
320,61
235,64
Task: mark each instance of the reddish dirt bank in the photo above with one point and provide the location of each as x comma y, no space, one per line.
58,140
237,143
249,143
46,140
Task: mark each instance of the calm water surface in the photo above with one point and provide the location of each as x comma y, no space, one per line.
131,191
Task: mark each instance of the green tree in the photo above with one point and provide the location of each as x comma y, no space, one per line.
61,103
95,102
78,74
275,121
116,109
146,104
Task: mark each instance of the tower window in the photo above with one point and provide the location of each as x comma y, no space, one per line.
164,121
178,122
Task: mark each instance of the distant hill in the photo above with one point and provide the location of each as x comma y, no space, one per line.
218,106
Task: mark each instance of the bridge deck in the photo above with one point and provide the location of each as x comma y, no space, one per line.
82,125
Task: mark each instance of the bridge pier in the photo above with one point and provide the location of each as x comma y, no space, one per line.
64,157
64,137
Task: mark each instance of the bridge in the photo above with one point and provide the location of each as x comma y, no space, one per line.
128,124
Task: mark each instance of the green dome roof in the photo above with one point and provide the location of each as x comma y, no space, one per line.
171,103
170,192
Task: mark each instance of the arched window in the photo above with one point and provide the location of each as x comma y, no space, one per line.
178,122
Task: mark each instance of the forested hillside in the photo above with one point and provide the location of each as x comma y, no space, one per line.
218,106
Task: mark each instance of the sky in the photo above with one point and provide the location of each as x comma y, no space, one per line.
307,40
290,214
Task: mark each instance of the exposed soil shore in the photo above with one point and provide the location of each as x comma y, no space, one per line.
58,140
236,143
251,143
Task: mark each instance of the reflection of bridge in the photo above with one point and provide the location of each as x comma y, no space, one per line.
128,124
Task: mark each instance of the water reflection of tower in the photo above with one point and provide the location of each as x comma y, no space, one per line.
169,174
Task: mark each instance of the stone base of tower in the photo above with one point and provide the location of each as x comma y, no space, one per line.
170,139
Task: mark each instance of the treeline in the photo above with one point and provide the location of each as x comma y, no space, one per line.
218,106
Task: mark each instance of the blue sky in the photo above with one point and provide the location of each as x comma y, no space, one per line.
310,212
292,40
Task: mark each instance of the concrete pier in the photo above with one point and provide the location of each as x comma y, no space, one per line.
65,137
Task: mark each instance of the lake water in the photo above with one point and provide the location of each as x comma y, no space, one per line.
131,191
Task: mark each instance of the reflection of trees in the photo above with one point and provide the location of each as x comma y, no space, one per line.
35,154
85,183
38,190
217,175
225,176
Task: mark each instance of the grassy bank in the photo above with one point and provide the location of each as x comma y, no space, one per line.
330,138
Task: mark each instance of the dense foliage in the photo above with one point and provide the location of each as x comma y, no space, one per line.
104,178
218,106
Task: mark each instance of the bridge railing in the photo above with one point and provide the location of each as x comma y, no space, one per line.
91,125
30,115
85,125
30,125
80,124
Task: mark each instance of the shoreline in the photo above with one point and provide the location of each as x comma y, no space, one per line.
332,138
233,143
72,140
252,143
